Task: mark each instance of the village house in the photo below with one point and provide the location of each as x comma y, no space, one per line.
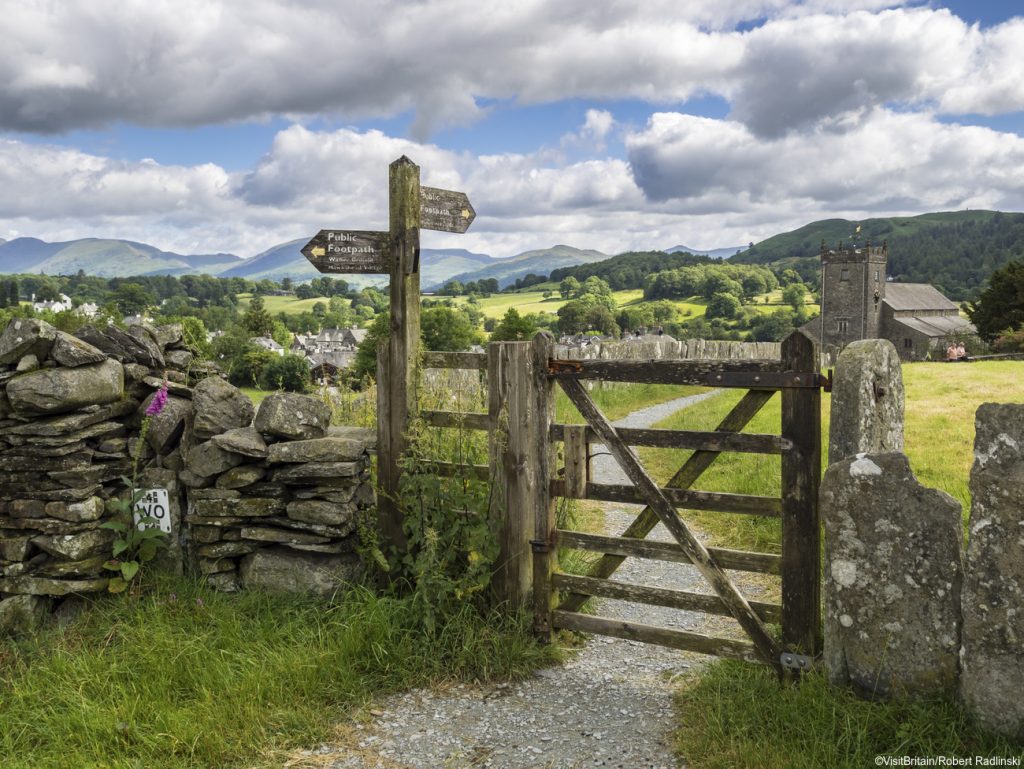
266,343
59,305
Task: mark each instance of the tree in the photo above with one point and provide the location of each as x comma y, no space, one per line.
1000,307
447,329
568,287
514,328
305,291
247,368
722,305
257,321
132,299
453,288
365,365
794,295
286,372
286,283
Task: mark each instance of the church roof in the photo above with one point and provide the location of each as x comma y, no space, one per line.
938,325
916,296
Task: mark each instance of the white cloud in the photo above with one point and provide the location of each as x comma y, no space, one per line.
703,182
78,64
889,163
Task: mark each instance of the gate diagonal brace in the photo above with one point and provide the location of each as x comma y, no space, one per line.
663,508
692,469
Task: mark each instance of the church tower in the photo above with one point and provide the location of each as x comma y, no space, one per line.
852,290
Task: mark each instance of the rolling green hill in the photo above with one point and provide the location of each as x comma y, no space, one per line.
539,262
629,270
956,250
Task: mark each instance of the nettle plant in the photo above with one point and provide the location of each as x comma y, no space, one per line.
452,547
138,540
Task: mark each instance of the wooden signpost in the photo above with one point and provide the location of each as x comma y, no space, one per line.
396,253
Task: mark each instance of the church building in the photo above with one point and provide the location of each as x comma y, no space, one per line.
859,302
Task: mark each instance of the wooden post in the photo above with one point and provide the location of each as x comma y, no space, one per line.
399,359
801,529
577,473
509,373
541,458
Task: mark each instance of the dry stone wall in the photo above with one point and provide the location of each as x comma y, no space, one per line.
273,504
70,407
905,613
266,497
993,596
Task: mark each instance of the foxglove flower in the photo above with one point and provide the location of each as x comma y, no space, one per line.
158,402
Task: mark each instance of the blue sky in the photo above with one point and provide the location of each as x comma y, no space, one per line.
205,125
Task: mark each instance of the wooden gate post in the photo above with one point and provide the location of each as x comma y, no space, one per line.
541,507
513,473
399,359
801,527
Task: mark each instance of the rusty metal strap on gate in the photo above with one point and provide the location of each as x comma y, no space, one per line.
752,375
771,380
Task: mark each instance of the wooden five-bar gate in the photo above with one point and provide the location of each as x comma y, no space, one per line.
527,481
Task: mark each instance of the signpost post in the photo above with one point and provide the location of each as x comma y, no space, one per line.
397,253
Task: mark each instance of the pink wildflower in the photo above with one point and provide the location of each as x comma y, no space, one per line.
158,402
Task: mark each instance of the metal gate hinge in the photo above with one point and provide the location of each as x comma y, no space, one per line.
800,662
540,546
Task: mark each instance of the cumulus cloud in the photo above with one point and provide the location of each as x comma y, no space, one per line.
890,162
77,64
704,182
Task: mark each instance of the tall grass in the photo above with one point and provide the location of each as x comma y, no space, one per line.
186,677
735,716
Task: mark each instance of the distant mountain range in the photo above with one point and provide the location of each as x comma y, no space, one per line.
105,257
714,253
111,258
956,251
538,262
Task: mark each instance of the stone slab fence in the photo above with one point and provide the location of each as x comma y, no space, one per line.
266,497
666,348
907,613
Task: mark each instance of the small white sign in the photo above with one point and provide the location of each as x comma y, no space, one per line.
154,504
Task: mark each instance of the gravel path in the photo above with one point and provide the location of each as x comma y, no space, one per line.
610,705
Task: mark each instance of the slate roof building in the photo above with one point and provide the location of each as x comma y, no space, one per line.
858,301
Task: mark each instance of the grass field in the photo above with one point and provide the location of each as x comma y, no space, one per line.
736,715
941,399
290,305
496,305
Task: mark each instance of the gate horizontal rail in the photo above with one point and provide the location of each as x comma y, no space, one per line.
659,596
714,501
734,560
751,443
675,639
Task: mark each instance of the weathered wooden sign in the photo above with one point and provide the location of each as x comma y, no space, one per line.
445,210
351,251
396,252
